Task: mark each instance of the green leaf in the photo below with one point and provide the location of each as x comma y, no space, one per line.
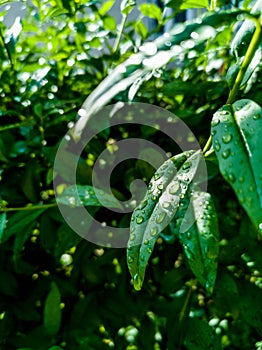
244,34
187,4
109,23
2,224
127,6
141,29
237,139
151,10
20,224
166,189
201,241
76,196
52,311
106,7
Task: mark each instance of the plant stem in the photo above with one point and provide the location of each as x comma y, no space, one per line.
33,207
207,145
122,26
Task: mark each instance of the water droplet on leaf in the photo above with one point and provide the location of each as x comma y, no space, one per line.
226,138
154,231
174,188
160,218
226,153
231,177
139,220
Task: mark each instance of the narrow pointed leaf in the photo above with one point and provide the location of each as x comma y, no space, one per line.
52,310
201,241
77,195
165,209
208,233
237,139
19,224
143,212
149,221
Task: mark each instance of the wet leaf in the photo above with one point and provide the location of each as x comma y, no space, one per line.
237,139
77,195
167,188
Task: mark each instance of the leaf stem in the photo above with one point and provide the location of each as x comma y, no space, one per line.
33,207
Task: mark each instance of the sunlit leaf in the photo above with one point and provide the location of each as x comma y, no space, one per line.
151,10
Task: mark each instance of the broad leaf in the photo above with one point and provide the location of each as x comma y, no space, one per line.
237,139
157,210
76,196
52,310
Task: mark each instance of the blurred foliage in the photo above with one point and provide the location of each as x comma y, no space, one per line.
59,291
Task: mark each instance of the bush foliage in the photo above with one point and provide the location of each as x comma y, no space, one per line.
200,289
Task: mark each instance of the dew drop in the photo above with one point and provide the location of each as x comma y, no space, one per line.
226,153
132,237
137,282
146,242
149,250
154,198
157,176
186,165
217,146
154,231
231,177
213,132
215,122
130,259
139,220
160,218
143,204
241,179
160,186
166,205
224,112
72,200
226,138
256,116
174,188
